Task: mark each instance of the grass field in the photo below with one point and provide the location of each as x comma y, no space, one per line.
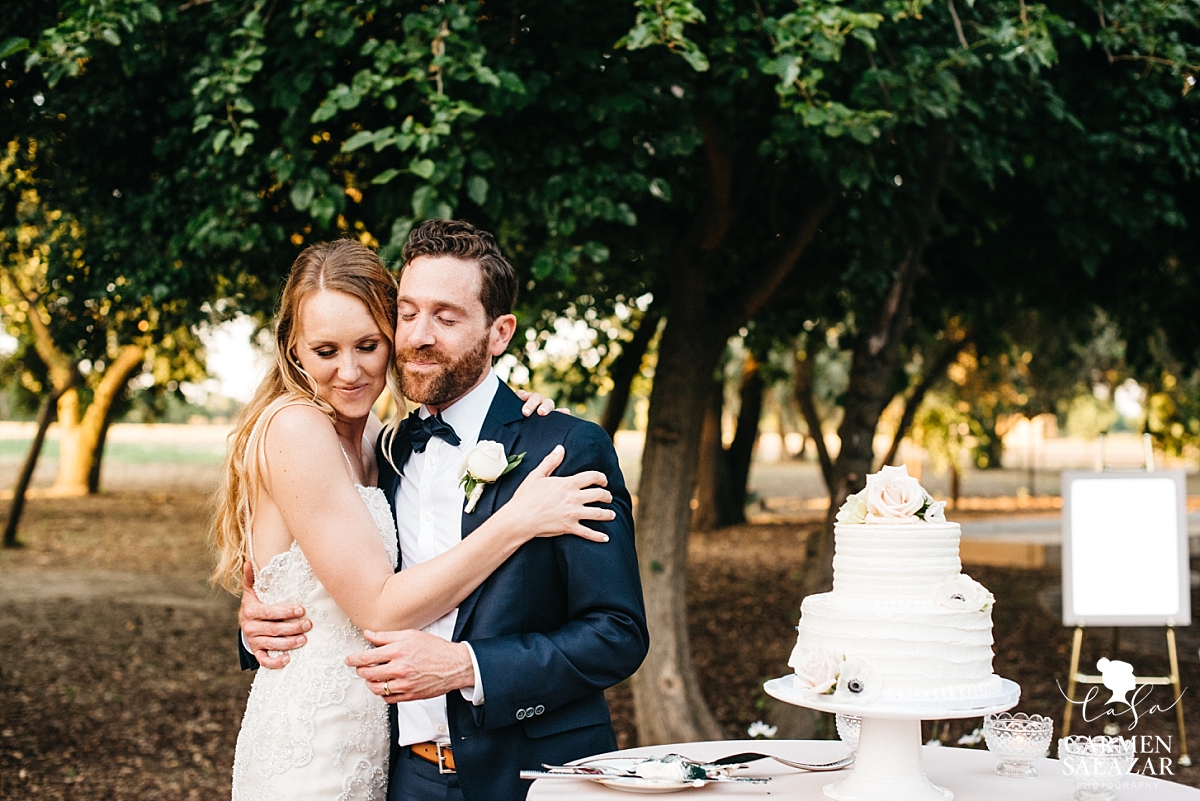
128,452
187,457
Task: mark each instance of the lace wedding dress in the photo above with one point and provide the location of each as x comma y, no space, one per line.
313,730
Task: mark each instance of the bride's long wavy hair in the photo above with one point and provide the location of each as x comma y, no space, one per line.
344,266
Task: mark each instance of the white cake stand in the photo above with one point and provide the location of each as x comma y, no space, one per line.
887,765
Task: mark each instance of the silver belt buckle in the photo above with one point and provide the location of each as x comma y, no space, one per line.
442,748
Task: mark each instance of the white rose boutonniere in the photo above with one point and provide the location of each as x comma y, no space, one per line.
816,669
893,496
964,592
483,465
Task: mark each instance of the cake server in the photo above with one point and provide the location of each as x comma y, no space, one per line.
560,772
585,770
741,759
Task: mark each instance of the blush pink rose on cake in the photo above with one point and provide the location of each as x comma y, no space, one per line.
891,496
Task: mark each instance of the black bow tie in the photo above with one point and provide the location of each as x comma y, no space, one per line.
419,431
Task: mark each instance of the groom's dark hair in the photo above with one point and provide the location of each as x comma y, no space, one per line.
460,239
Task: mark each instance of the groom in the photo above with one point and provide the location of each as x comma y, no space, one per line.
514,677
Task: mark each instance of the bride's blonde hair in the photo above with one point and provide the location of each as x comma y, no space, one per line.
344,266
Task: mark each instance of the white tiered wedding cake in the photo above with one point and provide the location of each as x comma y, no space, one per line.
903,623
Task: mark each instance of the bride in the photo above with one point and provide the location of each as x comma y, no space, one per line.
298,503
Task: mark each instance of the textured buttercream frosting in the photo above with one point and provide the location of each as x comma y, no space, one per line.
874,564
902,612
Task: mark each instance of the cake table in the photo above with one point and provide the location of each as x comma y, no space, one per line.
970,771
887,766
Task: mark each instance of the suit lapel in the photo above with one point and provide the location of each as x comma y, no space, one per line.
500,425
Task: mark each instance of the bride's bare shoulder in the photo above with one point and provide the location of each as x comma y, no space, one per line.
299,424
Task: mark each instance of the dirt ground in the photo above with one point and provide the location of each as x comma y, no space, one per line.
119,677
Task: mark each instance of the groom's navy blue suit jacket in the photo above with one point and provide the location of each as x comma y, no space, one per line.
552,627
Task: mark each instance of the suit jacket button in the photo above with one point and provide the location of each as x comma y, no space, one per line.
520,714
539,709
529,712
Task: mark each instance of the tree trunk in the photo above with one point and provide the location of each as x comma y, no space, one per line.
724,472
875,359
667,700
80,433
668,703
98,451
741,450
712,466
45,415
627,367
788,424
936,370
802,390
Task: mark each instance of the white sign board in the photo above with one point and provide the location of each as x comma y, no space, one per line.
1125,549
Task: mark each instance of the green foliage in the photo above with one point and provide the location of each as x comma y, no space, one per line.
662,22
63,50
587,147
1173,414
220,102
1153,35
947,433
1088,416
818,32
22,380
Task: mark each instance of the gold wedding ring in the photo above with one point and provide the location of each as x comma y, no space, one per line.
386,691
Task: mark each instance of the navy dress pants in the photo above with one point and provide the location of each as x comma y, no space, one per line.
414,779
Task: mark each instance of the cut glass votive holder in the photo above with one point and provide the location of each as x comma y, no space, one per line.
1097,764
847,729
1017,740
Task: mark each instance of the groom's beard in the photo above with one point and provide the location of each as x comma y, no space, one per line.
451,382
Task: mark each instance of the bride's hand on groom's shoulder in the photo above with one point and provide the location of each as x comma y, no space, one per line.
549,505
535,402
268,628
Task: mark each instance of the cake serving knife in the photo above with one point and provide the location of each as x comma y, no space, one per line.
571,772
741,759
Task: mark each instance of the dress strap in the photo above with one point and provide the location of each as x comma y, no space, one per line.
349,463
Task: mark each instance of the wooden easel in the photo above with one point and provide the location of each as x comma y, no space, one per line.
1075,677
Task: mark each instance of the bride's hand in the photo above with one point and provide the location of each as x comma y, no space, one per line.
548,506
535,402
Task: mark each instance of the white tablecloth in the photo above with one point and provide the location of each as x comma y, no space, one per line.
969,773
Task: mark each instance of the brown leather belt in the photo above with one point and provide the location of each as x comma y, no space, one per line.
437,753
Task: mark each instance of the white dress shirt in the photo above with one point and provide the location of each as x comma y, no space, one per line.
429,506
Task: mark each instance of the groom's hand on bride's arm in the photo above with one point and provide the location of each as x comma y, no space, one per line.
269,628
413,665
